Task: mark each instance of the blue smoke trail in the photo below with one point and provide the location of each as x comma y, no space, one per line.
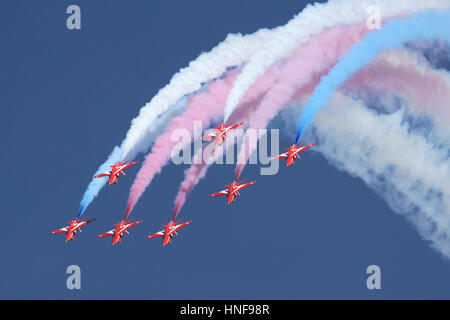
427,25
98,183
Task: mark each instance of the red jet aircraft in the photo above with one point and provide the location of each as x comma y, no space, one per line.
73,227
169,231
292,153
116,170
233,190
222,131
121,228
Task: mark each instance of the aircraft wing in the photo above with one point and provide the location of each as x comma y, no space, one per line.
303,148
132,224
181,225
106,234
155,235
102,175
245,185
83,223
220,193
283,155
234,126
128,165
208,136
65,229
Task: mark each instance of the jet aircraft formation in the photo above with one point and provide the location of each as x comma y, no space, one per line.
170,229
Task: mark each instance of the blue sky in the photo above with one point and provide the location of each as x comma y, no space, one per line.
68,98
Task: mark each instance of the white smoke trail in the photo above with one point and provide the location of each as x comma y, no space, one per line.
156,128
311,21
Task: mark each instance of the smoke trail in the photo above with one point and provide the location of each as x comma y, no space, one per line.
403,74
233,51
158,126
192,176
98,183
407,169
429,25
437,52
311,21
